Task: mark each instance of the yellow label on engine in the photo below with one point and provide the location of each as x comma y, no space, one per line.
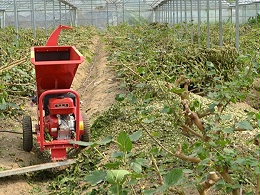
81,125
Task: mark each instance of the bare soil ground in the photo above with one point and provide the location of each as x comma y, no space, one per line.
97,87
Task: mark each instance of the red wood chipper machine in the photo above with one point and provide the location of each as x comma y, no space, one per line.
58,106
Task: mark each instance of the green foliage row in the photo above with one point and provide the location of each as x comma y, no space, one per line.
168,51
146,57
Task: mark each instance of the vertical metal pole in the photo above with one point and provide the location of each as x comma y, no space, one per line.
185,17
181,27
33,18
237,24
181,10
199,20
173,10
60,11
116,15
168,12
139,10
16,22
191,17
177,12
172,13
231,14
53,12
4,19
220,24
215,10
107,14
123,10
245,14
208,26
75,17
65,14
159,14
91,16
162,13
162,6
165,13
45,17
71,16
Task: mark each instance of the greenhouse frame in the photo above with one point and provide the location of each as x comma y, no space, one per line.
48,14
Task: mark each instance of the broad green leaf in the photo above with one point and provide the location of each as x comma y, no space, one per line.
131,97
96,177
235,186
244,125
149,192
149,119
3,106
120,97
172,177
105,140
112,165
205,161
124,142
135,136
136,167
228,151
177,90
228,130
116,176
117,154
167,110
212,107
240,161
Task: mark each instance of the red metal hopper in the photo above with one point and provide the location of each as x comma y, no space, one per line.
55,66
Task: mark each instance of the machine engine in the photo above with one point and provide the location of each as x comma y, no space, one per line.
60,121
66,127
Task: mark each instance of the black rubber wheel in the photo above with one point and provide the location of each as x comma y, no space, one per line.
27,134
86,136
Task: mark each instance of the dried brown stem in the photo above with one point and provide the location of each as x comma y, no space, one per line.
188,129
182,156
178,81
226,176
13,64
193,116
212,179
133,71
204,114
157,169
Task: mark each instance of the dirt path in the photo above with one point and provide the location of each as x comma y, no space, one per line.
97,87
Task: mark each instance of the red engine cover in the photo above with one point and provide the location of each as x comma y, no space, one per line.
62,105
51,125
